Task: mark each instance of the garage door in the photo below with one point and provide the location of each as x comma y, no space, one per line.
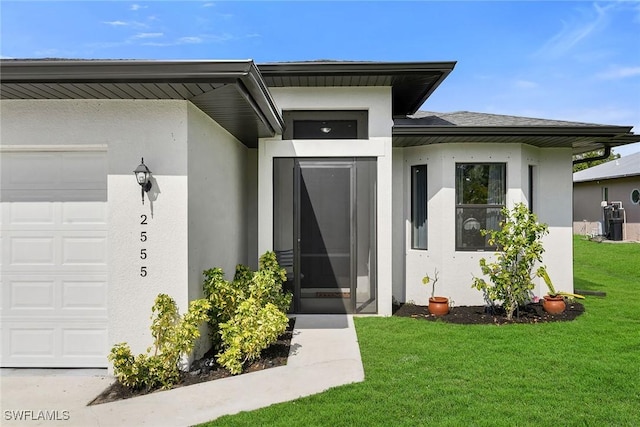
53,250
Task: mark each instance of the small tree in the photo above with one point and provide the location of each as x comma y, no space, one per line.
511,274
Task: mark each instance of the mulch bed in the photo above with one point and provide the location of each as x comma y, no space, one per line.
482,315
207,369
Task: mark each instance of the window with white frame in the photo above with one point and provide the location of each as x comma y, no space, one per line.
480,196
419,207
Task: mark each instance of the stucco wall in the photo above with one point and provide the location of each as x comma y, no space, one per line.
217,186
457,268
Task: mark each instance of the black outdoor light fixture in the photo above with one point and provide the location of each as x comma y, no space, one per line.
143,175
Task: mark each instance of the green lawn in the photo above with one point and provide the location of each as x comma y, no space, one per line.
585,372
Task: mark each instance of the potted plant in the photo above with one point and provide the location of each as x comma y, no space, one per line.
554,301
438,306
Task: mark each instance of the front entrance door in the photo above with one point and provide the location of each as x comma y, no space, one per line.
324,234
331,231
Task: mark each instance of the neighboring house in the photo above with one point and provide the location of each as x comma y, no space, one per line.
616,183
328,163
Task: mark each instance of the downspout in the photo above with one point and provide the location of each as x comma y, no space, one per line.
604,156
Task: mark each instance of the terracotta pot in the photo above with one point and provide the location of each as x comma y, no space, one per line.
438,306
553,305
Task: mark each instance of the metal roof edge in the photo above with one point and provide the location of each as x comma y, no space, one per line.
45,71
625,175
266,106
604,130
355,67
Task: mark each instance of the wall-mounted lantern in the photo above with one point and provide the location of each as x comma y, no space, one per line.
143,175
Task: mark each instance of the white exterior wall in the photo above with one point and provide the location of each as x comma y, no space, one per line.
457,268
555,187
217,199
196,208
377,101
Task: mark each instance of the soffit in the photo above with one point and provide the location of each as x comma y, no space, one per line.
411,82
231,92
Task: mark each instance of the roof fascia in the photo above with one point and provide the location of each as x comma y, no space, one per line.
87,71
244,73
602,131
606,178
361,68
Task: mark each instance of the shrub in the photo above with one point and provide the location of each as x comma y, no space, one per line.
173,336
511,274
247,314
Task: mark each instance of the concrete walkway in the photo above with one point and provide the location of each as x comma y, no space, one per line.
324,354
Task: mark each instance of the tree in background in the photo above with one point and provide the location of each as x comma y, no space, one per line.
589,155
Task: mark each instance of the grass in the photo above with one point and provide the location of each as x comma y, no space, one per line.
585,372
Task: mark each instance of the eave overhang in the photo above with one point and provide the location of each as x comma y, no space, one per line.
411,82
232,93
579,138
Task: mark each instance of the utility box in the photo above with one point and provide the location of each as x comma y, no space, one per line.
615,229
613,214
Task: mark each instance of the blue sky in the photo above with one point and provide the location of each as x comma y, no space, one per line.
569,60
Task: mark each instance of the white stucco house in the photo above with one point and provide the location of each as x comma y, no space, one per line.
328,163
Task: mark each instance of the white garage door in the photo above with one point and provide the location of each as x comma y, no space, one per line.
53,250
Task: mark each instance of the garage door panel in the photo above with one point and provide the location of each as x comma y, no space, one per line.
34,341
80,213
83,250
26,170
85,295
32,295
31,251
29,214
65,344
83,170
84,342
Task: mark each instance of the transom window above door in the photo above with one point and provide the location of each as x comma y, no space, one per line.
341,124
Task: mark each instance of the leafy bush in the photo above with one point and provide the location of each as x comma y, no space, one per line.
173,336
247,314
511,274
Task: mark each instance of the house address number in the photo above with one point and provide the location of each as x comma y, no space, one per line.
143,239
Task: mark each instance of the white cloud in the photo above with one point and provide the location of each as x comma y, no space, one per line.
208,5
189,40
135,7
576,31
116,23
147,35
132,24
615,73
